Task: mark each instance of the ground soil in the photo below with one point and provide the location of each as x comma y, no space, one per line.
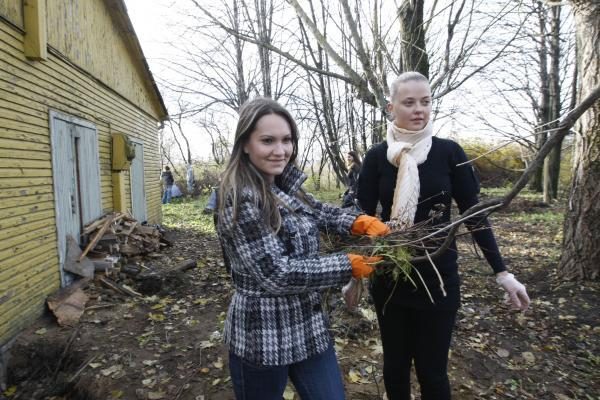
168,345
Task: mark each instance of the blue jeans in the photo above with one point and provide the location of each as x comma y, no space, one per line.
317,378
167,194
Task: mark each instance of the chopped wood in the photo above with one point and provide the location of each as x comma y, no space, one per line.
109,237
130,291
102,265
131,270
133,225
91,227
97,237
111,285
183,266
147,230
119,288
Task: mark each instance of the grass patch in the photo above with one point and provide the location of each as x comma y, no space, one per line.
188,214
503,191
328,196
550,217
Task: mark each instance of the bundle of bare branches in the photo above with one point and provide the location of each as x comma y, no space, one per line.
403,248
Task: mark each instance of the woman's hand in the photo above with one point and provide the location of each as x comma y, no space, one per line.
366,225
516,294
361,265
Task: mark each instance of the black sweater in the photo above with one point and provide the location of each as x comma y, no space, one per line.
441,180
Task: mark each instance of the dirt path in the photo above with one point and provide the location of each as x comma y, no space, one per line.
168,346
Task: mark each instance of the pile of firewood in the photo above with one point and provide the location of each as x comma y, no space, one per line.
119,234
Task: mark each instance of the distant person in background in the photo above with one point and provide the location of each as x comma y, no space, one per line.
167,178
211,204
190,179
411,174
354,164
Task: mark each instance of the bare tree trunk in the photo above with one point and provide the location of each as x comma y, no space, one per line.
552,163
242,94
264,19
413,52
537,182
580,257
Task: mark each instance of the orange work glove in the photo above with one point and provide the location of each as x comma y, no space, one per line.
366,225
361,265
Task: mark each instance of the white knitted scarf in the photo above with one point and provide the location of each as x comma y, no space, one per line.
406,150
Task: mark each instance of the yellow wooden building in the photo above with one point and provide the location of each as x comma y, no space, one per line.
73,84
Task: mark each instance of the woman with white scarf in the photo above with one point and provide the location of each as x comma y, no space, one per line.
415,176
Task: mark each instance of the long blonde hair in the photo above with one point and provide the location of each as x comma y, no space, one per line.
241,174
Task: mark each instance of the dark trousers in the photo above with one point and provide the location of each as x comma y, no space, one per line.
317,378
422,336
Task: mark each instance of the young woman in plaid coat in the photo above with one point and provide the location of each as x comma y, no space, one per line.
269,228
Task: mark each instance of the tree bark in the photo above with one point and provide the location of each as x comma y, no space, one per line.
413,51
541,136
580,257
552,162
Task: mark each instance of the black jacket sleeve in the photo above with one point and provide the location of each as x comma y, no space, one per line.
465,190
368,182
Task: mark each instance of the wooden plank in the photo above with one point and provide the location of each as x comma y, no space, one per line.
16,154
25,173
25,209
10,183
91,227
97,237
23,267
30,306
16,116
19,200
39,112
24,191
52,77
23,133
19,144
25,219
13,11
25,243
25,291
7,234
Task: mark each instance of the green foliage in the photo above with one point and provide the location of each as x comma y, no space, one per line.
503,191
332,196
400,258
189,214
498,168
549,217
206,177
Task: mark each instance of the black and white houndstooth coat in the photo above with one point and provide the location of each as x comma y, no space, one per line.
275,316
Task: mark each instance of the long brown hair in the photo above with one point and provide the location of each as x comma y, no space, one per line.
356,163
241,174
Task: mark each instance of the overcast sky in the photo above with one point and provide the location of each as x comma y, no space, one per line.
156,23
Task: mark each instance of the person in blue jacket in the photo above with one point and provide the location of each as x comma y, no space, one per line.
276,325
413,175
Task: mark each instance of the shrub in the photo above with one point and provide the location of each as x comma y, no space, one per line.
498,168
